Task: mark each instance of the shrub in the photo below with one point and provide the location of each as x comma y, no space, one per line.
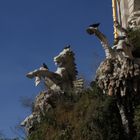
88,116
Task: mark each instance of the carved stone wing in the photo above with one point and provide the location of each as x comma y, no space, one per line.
45,73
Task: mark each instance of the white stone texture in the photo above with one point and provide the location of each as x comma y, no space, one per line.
124,12
130,13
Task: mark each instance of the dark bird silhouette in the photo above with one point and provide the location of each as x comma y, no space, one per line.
96,25
45,66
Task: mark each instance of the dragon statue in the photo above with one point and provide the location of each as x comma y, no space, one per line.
119,56
121,43
119,74
64,80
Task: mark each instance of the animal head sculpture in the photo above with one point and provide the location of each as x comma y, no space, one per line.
63,57
65,60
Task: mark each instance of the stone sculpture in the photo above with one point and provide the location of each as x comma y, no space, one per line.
118,75
65,75
112,53
92,30
56,83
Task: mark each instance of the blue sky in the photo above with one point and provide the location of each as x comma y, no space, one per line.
34,31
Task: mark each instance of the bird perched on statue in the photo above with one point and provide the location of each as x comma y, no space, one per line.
45,66
92,28
95,25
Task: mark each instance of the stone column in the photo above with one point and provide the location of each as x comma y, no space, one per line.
134,13
129,13
124,11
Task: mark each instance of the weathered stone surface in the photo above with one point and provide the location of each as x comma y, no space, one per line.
40,107
114,74
43,102
31,122
129,13
120,78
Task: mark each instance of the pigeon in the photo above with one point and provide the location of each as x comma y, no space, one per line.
45,66
95,25
91,29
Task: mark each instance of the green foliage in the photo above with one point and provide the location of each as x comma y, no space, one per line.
88,116
137,122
